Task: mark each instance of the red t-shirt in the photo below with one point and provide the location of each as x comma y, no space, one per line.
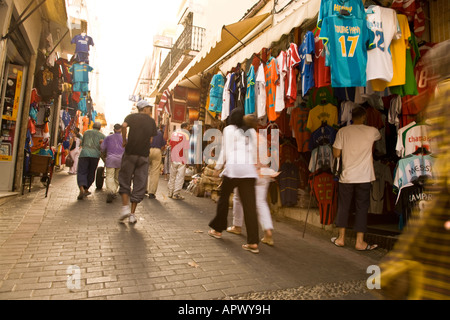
322,74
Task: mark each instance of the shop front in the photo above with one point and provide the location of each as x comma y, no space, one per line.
26,33
293,47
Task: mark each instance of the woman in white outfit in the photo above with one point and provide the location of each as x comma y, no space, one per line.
75,143
261,188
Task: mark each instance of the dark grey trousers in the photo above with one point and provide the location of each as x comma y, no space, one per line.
134,171
360,192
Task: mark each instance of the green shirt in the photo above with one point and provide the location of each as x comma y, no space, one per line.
90,145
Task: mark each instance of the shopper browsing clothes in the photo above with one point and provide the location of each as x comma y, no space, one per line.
179,145
89,158
238,154
355,144
113,148
75,143
134,168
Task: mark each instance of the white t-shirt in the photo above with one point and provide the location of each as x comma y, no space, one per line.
384,24
226,99
356,143
260,92
282,67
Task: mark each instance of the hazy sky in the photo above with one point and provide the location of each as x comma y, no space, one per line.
123,35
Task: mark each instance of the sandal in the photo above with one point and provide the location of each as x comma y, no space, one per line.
215,234
248,248
268,241
178,197
234,230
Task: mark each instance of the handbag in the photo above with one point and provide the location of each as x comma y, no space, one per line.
69,161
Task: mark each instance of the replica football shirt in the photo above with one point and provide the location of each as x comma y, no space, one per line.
398,50
322,113
293,59
272,77
307,67
282,69
383,23
250,94
347,39
80,72
216,93
82,42
322,76
333,7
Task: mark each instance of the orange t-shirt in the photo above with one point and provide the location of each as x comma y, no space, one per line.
272,76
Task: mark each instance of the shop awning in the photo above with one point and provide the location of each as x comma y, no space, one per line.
229,36
284,22
56,11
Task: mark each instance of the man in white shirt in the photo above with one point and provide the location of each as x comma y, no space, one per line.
355,144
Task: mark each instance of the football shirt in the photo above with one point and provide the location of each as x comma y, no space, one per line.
272,77
347,39
383,23
333,8
307,67
82,42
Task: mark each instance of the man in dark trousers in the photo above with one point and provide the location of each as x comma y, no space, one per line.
355,144
134,169
89,158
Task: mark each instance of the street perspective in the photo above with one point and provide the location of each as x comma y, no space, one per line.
225,159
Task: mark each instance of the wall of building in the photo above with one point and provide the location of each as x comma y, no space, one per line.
439,20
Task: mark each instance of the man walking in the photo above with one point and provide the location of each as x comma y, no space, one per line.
179,144
355,144
134,169
89,158
155,160
112,146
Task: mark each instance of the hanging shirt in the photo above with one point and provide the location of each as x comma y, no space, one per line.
383,176
80,72
282,69
288,181
250,95
347,39
414,137
293,60
260,92
322,75
82,43
226,100
398,51
321,158
410,168
298,121
322,113
383,23
324,189
333,8
216,93
272,77
322,136
307,67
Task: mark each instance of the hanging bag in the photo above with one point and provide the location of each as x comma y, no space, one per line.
69,161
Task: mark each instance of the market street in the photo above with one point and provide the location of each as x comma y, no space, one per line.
62,248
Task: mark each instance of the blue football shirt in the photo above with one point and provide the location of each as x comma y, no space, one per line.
82,43
216,93
347,40
250,95
333,7
307,68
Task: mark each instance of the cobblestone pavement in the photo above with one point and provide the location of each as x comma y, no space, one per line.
62,248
